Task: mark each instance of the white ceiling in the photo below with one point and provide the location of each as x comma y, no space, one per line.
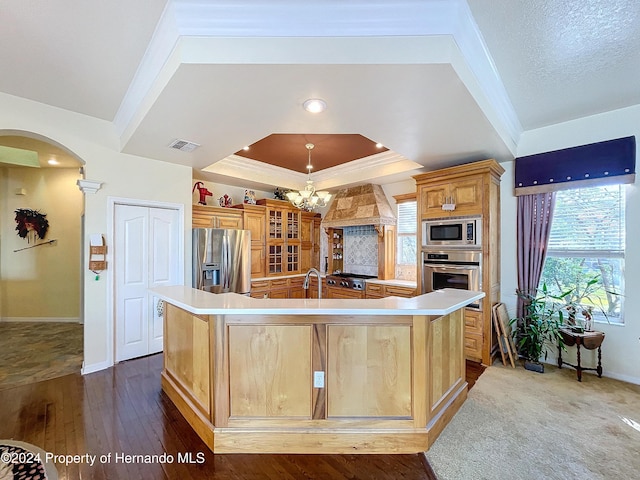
439,82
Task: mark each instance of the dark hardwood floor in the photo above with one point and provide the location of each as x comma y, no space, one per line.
122,411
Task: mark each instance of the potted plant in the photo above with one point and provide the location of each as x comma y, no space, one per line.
583,300
539,328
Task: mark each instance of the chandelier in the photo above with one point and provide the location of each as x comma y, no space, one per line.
307,198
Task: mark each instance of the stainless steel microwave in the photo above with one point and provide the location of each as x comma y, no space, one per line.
452,232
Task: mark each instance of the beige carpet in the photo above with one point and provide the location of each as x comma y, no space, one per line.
522,425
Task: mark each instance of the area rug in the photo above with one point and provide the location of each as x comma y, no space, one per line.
523,425
23,461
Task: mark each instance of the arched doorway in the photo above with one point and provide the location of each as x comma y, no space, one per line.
41,294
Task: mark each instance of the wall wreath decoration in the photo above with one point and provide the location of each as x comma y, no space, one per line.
31,220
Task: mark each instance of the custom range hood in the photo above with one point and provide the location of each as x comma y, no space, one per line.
363,205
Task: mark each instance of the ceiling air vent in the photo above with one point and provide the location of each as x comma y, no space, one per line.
184,145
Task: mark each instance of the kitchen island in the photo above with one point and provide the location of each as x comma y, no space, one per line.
315,375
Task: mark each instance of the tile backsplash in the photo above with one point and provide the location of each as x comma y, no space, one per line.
361,250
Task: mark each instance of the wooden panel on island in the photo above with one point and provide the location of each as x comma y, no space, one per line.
369,371
188,356
269,369
310,382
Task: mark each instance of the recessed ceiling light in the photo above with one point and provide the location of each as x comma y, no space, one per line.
245,148
53,161
315,105
379,145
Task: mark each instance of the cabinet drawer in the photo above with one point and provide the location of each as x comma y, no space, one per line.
396,291
296,282
473,322
373,288
280,282
260,285
283,293
373,295
473,345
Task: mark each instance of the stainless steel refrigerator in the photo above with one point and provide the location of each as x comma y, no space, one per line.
222,260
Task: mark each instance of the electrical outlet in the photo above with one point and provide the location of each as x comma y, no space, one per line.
318,379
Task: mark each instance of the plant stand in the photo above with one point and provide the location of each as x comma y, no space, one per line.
589,340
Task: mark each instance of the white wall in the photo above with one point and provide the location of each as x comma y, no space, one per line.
621,348
95,142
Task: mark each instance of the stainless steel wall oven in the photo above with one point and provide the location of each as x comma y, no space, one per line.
452,269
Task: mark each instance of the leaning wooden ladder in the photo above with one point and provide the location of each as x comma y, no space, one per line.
503,329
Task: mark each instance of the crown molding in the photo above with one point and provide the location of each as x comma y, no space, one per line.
255,171
356,171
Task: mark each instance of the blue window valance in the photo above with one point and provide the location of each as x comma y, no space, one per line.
602,163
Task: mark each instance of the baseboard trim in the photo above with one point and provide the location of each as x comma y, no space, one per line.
94,367
40,319
622,378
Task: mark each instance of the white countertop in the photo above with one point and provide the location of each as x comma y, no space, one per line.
199,302
394,282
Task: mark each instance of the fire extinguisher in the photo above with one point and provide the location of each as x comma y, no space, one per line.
204,193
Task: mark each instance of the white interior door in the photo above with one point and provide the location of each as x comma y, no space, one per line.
146,256
163,265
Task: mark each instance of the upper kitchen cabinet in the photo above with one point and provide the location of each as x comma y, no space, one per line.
469,188
204,216
284,237
255,222
310,240
465,194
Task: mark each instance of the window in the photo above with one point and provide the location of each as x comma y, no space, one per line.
407,220
587,242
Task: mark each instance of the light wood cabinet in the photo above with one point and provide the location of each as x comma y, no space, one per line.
374,290
399,291
279,288
466,194
313,288
473,332
284,240
377,290
339,292
295,287
309,241
203,216
475,190
255,222
292,238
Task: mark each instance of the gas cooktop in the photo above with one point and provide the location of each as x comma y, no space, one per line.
354,281
352,275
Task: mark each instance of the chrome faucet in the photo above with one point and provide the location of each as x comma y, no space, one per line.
305,285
